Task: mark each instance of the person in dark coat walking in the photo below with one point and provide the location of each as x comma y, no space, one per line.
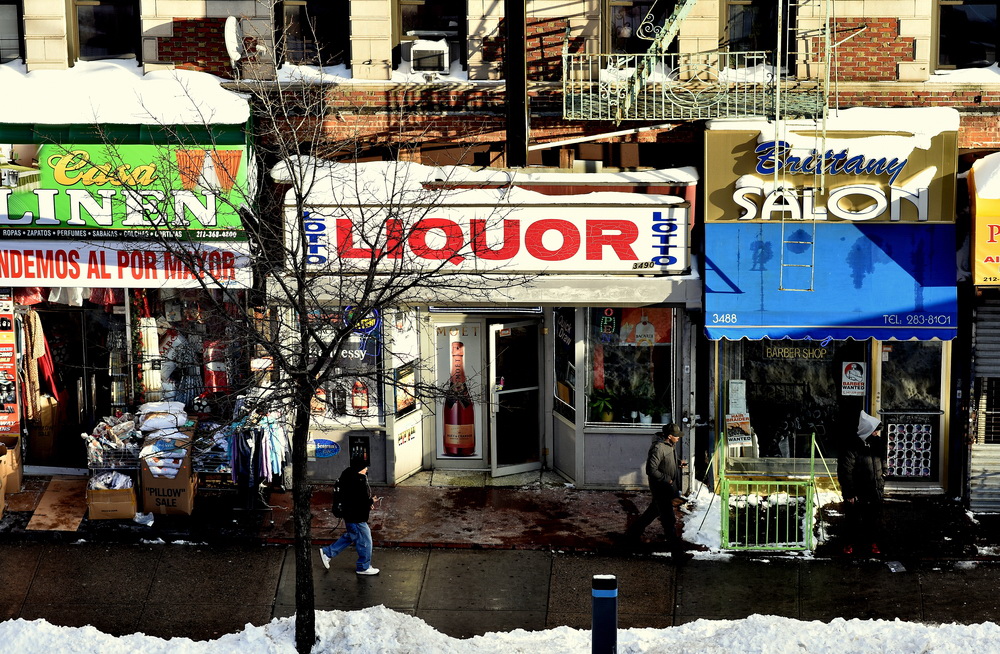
861,470
358,501
663,469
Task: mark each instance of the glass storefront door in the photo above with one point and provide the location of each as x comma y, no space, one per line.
515,406
911,406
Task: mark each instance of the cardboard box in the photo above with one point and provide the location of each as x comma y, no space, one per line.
169,496
14,463
110,504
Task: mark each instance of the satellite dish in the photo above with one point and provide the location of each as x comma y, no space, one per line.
234,39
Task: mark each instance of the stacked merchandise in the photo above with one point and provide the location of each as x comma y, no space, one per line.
164,447
211,451
114,443
110,495
112,447
168,482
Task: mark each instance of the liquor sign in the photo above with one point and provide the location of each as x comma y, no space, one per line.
106,192
10,413
643,238
460,425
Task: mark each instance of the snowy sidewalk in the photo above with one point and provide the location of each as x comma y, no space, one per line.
202,592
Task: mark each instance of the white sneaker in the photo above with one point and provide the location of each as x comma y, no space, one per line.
370,571
324,558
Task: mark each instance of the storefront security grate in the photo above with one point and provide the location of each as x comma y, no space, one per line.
988,418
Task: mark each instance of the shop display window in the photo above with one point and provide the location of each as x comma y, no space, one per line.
630,365
563,357
775,394
352,392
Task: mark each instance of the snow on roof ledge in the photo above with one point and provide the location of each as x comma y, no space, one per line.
919,121
115,92
986,173
375,182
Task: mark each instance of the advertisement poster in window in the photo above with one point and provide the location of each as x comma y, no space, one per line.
460,425
352,392
405,379
10,424
852,379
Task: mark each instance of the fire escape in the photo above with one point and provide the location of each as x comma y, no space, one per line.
787,82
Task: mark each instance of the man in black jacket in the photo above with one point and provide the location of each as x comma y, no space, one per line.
358,502
861,471
664,473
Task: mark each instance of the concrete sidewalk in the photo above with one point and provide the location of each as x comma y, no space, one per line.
202,592
478,557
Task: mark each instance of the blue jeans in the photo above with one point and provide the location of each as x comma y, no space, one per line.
359,535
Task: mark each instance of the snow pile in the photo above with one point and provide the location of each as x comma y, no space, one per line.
115,92
381,630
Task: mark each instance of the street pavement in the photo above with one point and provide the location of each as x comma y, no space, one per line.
490,566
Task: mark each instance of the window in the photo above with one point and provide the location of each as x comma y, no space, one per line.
432,20
563,358
631,20
630,371
316,32
10,30
969,33
107,29
352,390
793,389
752,26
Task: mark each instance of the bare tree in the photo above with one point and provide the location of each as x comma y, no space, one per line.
331,242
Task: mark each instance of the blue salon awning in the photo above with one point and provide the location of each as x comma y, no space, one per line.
882,281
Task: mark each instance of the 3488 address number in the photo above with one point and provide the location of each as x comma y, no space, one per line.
724,319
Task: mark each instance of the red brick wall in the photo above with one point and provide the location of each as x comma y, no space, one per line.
870,55
197,44
545,37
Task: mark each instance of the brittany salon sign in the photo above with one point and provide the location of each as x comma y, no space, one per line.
885,175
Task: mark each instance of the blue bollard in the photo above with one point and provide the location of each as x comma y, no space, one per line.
604,621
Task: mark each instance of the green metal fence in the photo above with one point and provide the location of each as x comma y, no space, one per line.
767,515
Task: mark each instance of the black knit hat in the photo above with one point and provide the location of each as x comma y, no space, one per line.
671,429
358,463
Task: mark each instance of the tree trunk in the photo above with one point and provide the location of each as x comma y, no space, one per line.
305,602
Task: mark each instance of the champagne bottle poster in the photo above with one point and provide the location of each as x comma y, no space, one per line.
459,372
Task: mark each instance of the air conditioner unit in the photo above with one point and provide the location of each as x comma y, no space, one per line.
430,56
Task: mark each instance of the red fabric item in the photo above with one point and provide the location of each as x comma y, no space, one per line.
29,295
47,371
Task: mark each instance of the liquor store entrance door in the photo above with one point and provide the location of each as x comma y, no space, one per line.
515,397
